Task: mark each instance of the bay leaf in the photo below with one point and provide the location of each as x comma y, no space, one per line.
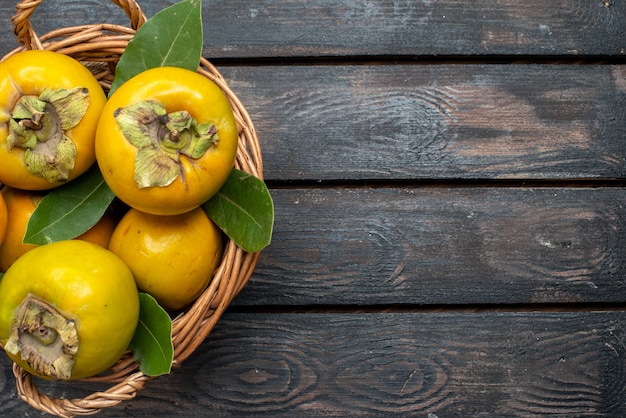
172,37
70,210
152,342
244,210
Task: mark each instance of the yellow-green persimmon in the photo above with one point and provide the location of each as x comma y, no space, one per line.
68,310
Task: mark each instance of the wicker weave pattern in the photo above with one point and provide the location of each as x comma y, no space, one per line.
99,47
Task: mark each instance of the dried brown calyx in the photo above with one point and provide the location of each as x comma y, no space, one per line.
44,338
161,139
39,126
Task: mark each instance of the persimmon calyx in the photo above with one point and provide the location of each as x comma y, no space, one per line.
39,126
44,338
161,140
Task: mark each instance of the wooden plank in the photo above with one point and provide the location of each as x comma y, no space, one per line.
279,28
442,121
412,364
422,246
437,121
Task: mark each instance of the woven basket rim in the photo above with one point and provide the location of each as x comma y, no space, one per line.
99,46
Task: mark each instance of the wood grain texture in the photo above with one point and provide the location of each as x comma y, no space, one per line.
443,246
280,28
449,365
437,121
428,256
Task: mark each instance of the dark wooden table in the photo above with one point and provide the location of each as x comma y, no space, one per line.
450,188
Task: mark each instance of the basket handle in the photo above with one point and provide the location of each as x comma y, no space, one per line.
26,34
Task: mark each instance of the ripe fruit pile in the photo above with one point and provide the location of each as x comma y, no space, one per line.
165,142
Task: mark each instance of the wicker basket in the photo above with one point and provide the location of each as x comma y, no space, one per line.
99,47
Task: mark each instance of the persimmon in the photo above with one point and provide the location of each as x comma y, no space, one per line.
20,206
172,257
50,106
68,310
166,140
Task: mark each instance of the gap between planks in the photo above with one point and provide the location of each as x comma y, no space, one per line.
355,60
409,308
449,183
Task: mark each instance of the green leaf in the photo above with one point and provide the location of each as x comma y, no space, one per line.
172,37
152,343
68,211
244,210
